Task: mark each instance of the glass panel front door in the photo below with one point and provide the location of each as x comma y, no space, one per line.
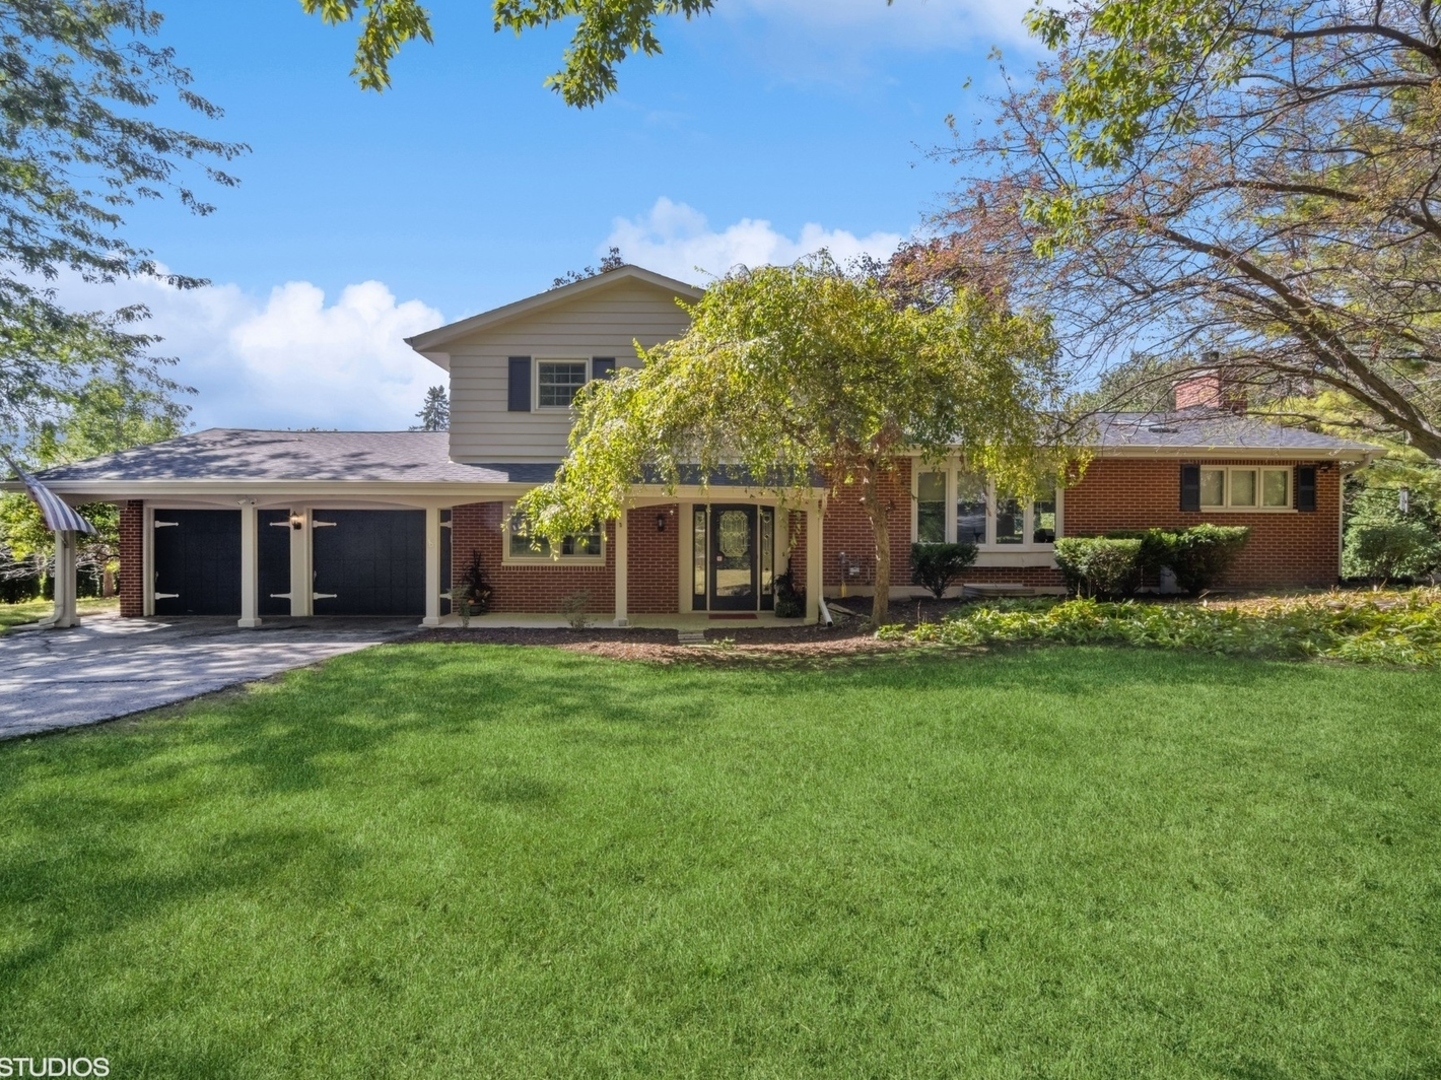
733,558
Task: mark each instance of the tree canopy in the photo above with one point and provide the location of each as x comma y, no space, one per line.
791,372
76,149
1257,178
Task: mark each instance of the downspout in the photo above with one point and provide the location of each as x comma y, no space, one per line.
825,612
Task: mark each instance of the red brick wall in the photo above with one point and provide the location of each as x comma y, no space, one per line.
538,588
798,549
132,559
1284,549
848,531
653,565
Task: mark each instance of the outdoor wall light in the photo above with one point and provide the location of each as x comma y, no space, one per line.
660,523
297,521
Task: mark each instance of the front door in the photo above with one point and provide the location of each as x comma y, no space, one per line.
733,560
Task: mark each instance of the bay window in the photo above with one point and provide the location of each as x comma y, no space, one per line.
960,507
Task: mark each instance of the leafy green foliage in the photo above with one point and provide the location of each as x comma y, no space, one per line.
790,601
606,32
1099,565
937,566
787,371
1388,630
1389,549
1198,556
75,150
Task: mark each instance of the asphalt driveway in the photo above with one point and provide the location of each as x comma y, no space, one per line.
109,666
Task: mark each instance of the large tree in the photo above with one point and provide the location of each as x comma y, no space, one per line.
76,149
1254,179
786,372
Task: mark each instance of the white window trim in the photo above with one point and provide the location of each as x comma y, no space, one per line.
990,546
507,559
587,361
1227,508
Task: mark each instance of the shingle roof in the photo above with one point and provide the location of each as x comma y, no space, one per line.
1196,429
243,454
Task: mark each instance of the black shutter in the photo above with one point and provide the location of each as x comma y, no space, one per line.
1191,488
602,367
1306,488
519,384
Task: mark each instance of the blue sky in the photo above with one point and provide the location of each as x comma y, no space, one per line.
766,129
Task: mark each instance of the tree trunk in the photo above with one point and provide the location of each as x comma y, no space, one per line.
877,511
107,581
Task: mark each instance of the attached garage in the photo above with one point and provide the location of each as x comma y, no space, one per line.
368,562
197,562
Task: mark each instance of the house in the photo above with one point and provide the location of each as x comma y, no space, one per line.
257,524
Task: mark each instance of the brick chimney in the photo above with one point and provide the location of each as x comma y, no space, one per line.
1215,388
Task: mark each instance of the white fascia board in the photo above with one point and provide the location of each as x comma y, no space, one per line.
223,490
433,340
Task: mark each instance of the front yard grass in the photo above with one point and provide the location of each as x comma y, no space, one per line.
462,861
32,611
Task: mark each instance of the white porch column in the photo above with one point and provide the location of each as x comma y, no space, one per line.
64,581
249,565
432,567
815,518
300,579
622,570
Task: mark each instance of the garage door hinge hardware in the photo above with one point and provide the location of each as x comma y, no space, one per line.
167,595
322,596
323,524
164,524
280,596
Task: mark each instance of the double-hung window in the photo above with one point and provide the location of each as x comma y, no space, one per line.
1245,488
520,546
956,506
558,381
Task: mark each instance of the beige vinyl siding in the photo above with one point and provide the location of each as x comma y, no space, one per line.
605,322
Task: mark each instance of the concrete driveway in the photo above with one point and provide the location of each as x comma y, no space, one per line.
109,666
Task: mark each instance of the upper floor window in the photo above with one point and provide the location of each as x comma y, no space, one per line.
558,381
958,507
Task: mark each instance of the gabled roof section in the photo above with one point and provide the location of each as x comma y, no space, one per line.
436,340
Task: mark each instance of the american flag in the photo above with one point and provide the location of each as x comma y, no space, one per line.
58,516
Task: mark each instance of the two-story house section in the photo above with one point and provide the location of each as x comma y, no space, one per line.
260,524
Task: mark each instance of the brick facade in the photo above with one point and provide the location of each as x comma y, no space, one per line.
132,559
537,588
653,566
1284,548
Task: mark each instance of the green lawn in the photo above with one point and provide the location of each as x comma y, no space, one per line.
462,861
31,611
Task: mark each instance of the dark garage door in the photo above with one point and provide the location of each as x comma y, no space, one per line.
372,561
274,552
197,562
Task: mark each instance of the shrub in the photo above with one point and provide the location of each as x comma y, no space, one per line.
937,566
477,588
1100,565
1202,554
1388,549
790,601
573,609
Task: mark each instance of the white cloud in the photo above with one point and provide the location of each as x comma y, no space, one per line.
290,359
675,239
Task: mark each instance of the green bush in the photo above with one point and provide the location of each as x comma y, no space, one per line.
1388,549
1198,556
790,601
1387,630
937,566
1100,565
